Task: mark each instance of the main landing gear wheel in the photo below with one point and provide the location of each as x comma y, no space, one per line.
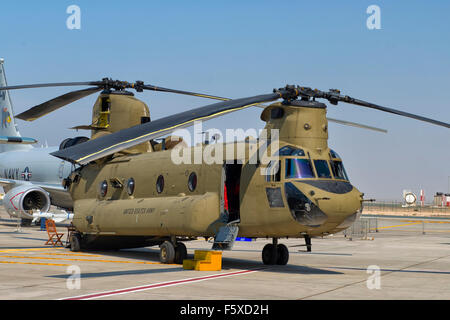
167,252
279,256
180,253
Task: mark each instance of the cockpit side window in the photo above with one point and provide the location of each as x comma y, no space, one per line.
334,155
273,171
338,170
299,169
291,151
322,169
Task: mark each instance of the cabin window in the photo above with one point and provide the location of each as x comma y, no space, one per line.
103,190
299,169
274,197
322,169
130,186
192,181
338,170
160,184
291,151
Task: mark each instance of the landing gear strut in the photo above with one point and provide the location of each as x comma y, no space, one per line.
275,253
75,242
308,243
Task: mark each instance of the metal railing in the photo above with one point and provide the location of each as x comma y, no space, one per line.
393,206
367,227
359,229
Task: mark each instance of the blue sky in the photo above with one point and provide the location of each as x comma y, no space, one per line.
242,48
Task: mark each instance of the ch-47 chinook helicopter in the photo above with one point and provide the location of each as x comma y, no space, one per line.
127,191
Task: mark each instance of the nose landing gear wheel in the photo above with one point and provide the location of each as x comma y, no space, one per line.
283,254
279,256
167,252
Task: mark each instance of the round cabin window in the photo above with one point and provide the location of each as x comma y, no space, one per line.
160,184
192,181
103,188
130,186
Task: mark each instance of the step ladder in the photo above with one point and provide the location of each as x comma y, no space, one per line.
204,260
224,239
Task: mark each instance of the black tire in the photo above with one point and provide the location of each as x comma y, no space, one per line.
167,252
75,242
283,254
269,255
180,253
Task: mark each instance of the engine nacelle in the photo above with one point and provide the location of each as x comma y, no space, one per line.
70,142
20,201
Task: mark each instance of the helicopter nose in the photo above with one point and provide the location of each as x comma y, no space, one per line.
313,203
303,210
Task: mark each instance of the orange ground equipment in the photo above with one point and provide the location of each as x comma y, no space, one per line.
204,260
54,238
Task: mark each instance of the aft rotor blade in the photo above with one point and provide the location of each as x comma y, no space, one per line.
56,103
57,84
357,125
106,145
202,95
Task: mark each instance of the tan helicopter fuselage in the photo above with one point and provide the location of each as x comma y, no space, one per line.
266,202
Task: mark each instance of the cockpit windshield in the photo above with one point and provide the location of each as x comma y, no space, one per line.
290,151
307,168
338,170
299,169
323,171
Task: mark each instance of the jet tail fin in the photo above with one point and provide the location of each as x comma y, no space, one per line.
10,138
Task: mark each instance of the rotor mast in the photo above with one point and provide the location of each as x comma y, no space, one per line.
300,122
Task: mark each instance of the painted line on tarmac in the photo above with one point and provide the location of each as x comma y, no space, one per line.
89,260
27,249
37,263
418,231
427,221
399,225
71,254
159,285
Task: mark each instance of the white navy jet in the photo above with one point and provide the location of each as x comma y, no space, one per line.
31,177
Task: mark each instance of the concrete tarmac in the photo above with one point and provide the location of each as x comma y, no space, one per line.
399,263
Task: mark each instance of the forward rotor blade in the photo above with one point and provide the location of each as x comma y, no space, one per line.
56,103
348,123
357,125
398,112
98,148
334,96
